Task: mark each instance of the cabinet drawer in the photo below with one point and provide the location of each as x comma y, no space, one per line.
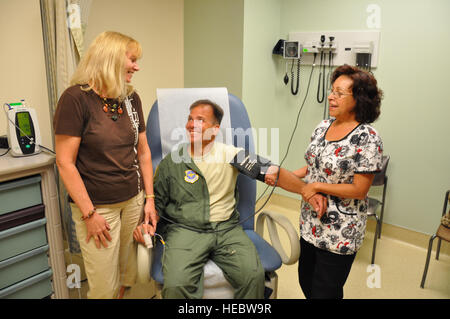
22,216
20,193
36,287
23,266
17,240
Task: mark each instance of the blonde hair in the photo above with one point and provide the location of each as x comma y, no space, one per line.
102,66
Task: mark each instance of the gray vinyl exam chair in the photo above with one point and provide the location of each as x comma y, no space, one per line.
271,256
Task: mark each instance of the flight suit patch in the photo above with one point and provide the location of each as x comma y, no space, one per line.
191,176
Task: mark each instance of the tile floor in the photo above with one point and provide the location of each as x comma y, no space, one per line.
400,260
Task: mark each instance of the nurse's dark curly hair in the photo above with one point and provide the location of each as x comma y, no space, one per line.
365,91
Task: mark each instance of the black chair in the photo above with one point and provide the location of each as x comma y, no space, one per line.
380,179
441,233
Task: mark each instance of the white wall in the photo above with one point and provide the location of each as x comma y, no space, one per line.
22,62
158,26
213,34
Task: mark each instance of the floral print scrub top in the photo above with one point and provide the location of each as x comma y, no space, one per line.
341,229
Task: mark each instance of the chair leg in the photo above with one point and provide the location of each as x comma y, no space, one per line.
382,205
377,229
438,248
381,219
427,262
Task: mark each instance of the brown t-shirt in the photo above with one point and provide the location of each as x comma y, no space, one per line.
107,158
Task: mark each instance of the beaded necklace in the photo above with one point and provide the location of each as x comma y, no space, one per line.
113,108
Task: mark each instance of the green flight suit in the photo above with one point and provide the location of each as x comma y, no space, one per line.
181,194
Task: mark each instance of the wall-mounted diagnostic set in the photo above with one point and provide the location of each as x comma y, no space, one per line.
328,49
358,48
24,137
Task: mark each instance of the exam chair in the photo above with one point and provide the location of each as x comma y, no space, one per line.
271,256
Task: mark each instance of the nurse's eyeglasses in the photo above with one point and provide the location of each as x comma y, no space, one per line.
339,94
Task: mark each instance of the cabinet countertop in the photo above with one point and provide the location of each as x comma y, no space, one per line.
10,164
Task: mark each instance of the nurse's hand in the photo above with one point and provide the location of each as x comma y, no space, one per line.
309,190
319,204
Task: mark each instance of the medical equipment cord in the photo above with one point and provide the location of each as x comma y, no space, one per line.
294,92
328,86
9,148
276,180
321,97
298,114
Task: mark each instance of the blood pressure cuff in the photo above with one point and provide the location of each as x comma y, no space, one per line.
252,165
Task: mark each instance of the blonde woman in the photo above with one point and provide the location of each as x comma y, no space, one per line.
105,162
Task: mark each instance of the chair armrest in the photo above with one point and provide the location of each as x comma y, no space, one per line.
144,263
283,221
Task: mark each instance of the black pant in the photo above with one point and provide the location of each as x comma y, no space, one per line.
322,274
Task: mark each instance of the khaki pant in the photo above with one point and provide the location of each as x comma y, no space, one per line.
109,268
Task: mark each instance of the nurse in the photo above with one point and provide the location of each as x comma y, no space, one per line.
342,159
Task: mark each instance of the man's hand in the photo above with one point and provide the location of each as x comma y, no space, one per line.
271,175
151,217
137,234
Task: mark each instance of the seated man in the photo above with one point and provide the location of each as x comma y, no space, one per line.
195,187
